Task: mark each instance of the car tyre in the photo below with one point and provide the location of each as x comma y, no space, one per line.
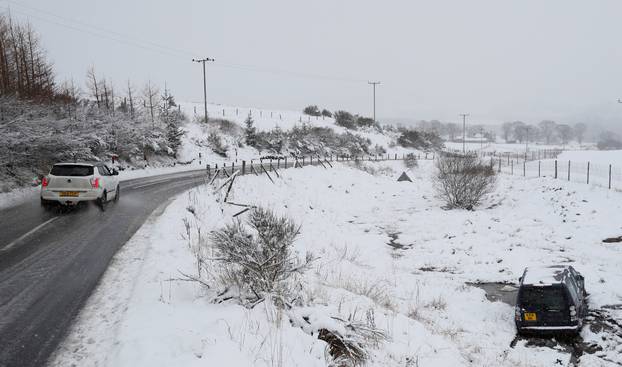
117,192
102,201
45,204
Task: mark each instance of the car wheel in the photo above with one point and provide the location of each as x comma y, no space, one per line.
45,204
117,193
102,201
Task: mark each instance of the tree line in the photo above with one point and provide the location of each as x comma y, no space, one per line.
24,69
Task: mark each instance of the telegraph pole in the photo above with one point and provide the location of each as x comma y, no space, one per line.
464,116
203,61
373,84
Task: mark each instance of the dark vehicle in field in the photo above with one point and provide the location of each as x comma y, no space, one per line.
550,299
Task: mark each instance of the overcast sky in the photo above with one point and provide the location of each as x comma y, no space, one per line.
497,60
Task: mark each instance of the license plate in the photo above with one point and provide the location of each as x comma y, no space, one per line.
72,194
530,316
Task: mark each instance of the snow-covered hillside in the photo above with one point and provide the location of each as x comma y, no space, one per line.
384,248
194,140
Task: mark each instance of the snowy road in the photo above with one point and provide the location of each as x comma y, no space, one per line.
51,261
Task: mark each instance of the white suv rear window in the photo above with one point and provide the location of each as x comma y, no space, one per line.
71,170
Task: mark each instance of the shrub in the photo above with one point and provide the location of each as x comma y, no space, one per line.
411,138
410,161
345,119
312,110
462,181
216,145
226,126
326,113
364,121
258,259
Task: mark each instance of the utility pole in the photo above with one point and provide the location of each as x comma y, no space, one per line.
373,84
464,116
481,138
203,61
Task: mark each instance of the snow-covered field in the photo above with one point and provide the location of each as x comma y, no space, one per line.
601,157
383,246
264,119
512,148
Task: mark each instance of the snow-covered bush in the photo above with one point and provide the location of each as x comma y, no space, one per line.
463,181
216,145
372,168
412,138
257,259
349,341
410,161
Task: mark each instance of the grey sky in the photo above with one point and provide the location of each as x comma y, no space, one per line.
498,60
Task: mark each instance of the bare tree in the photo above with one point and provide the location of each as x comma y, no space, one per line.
130,93
150,95
507,128
111,97
452,130
579,131
24,71
565,133
92,84
547,127
463,181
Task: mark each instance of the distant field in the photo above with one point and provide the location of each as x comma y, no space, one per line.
504,147
613,157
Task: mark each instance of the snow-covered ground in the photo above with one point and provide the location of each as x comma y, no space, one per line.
601,157
264,119
382,245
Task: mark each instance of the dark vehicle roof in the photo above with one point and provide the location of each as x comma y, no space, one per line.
545,275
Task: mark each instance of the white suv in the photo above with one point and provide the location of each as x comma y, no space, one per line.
71,183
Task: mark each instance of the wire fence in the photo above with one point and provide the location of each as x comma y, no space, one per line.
603,175
542,163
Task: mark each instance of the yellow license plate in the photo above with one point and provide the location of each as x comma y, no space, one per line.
72,194
530,316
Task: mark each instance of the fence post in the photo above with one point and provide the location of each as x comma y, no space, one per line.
243,167
232,167
209,171
524,168
556,168
588,173
285,162
568,170
609,176
303,161
499,165
512,167
539,163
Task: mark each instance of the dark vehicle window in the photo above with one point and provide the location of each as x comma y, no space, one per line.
71,170
572,289
103,171
543,298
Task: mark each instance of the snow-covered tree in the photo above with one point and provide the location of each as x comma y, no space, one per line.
171,118
250,132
